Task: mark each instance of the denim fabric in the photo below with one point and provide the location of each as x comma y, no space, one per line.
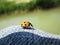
26,38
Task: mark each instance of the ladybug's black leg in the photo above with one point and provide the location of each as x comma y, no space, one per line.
24,27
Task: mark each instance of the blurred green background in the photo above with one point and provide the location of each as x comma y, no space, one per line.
43,14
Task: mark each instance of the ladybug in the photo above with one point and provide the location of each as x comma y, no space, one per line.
26,25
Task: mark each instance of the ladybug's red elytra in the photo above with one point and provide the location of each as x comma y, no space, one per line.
26,25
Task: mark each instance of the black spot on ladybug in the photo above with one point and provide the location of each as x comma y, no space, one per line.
21,24
24,22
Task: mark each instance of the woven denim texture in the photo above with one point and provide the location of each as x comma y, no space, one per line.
25,38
